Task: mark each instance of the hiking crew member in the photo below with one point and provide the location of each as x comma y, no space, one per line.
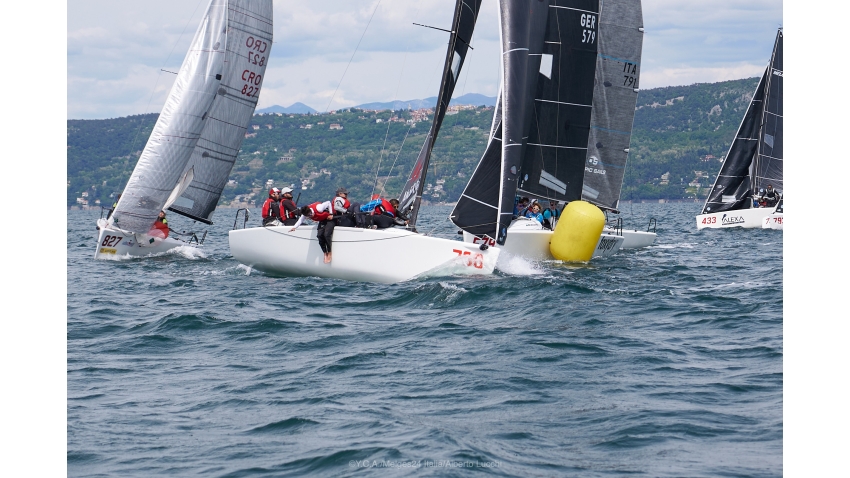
271,209
383,216
342,207
321,213
114,205
288,209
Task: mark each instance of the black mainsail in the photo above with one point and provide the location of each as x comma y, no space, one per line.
614,99
553,162
755,156
463,25
486,204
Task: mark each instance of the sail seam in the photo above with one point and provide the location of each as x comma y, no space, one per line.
515,49
576,9
556,146
562,103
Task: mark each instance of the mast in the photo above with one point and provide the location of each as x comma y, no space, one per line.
178,128
249,40
463,24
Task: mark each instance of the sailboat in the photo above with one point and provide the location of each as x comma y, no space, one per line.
547,110
193,146
754,160
384,255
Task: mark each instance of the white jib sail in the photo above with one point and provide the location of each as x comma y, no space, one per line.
179,125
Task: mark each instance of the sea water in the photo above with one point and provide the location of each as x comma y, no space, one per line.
662,361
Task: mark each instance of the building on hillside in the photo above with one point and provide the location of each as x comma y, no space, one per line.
269,126
255,126
250,135
335,126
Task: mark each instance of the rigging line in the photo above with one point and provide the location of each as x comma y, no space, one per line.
153,91
383,190
352,55
387,134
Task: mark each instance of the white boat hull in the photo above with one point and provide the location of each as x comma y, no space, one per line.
527,239
772,221
114,243
634,239
747,218
367,255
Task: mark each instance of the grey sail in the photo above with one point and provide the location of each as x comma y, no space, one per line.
179,126
553,163
755,156
249,42
614,98
463,25
522,26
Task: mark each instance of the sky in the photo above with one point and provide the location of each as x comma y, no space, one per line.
116,50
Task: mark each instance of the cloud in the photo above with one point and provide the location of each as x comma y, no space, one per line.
116,49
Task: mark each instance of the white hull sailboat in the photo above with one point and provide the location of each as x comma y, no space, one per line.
193,146
385,255
378,255
754,160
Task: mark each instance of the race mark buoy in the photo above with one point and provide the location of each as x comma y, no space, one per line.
577,232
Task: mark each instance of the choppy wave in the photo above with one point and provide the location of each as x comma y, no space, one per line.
654,362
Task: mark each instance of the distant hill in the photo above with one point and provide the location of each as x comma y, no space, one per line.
295,108
680,135
472,99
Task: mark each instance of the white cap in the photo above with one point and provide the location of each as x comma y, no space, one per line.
285,190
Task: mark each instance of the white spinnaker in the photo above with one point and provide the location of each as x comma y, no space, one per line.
179,126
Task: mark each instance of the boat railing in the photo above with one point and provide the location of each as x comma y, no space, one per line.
651,226
245,221
617,226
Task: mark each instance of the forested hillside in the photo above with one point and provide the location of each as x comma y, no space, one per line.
677,130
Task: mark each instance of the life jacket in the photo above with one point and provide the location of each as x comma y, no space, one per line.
286,214
318,216
345,203
162,226
384,208
271,209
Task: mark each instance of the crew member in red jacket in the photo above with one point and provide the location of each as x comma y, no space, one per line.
271,209
383,215
288,209
320,212
160,226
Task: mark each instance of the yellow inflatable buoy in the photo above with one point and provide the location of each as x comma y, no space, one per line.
577,232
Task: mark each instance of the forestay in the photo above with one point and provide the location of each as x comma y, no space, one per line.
614,98
249,43
463,25
179,126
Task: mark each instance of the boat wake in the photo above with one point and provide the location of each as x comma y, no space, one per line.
189,252
517,266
